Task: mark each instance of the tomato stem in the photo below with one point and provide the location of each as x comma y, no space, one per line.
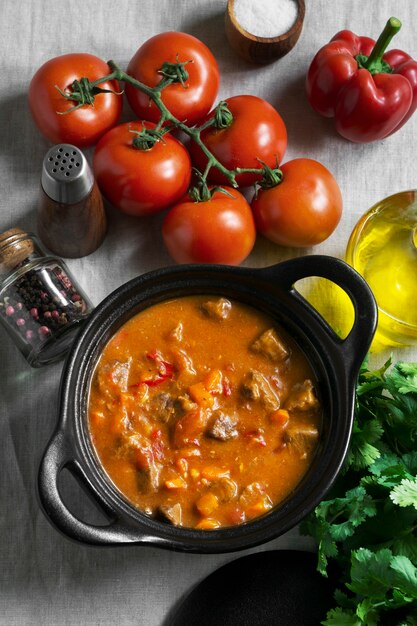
200,192
171,72
146,138
271,176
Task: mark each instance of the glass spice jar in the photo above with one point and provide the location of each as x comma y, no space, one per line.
41,306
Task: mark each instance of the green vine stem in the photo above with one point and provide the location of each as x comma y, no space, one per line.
171,73
374,63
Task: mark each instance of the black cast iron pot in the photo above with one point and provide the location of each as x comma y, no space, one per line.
335,361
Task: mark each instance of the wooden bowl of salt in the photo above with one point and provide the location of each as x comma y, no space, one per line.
262,31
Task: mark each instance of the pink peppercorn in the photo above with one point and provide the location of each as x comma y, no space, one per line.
20,321
55,314
34,312
29,334
43,330
9,310
47,314
75,297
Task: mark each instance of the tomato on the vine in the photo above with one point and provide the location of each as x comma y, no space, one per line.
188,102
84,125
303,209
257,133
218,230
141,181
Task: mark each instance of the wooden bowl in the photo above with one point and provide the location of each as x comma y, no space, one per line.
261,49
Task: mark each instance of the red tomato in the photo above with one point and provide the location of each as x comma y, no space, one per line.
219,230
141,182
188,102
257,132
84,126
304,209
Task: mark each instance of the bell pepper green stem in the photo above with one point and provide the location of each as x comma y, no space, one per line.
374,62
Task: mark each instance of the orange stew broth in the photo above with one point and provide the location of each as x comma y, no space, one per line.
203,412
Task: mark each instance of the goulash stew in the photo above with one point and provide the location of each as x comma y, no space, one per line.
203,412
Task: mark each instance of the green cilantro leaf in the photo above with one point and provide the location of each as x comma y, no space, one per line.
339,617
405,575
405,494
404,377
410,462
366,612
362,452
370,528
405,545
370,572
386,460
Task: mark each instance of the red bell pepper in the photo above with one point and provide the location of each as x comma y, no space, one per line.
369,92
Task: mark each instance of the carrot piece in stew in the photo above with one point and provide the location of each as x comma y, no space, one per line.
207,504
176,483
199,394
280,417
214,382
208,524
189,428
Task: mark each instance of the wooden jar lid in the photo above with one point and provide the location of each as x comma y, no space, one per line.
15,246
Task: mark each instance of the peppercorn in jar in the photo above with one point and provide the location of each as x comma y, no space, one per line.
40,303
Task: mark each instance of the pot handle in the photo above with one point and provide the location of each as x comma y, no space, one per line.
58,456
355,346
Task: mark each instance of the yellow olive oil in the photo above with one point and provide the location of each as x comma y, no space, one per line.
383,248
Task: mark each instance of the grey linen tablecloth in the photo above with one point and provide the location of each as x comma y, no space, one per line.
44,578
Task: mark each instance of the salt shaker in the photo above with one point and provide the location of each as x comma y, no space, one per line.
71,217
41,305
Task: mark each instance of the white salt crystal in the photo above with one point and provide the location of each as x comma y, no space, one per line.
266,18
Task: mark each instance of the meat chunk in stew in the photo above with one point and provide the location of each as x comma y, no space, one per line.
113,377
148,468
148,479
225,489
171,513
217,309
302,437
271,346
255,500
302,397
176,334
185,403
223,427
183,363
162,407
255,386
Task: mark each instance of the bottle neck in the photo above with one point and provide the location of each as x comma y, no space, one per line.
17,248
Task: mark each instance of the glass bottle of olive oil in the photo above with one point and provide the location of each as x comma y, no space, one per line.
383,249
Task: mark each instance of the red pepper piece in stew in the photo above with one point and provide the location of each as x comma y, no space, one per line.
165,371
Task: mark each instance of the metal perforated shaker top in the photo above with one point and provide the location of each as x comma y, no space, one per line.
66,175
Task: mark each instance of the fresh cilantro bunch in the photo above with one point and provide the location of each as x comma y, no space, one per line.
367,530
